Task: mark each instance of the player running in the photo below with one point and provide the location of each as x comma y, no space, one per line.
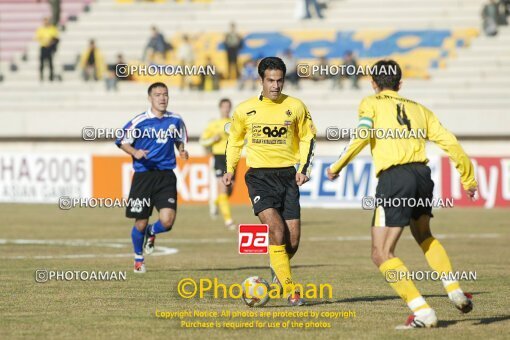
280,133
149,139
401,167
215,138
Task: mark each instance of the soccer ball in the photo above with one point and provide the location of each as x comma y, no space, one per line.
255,291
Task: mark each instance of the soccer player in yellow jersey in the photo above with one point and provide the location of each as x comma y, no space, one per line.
215,137
403,174
279,133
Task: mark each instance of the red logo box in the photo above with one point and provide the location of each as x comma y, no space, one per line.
253,238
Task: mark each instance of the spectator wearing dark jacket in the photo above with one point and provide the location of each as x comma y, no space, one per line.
156,47
233,44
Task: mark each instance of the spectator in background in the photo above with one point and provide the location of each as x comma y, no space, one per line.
317,7
47,36
490,15
506,7
185,56
502,13
351,72
323,65
157,47
291,62
92,62
112,79
55,12
249,74
210,82
233,44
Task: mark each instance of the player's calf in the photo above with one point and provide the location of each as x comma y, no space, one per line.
161,226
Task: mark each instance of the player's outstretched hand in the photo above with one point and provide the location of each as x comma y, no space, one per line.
301,179
331,175
184,154
139,154
227,178
471,193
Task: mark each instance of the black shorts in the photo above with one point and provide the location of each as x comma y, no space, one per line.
158,186
274,188
220,165
399,189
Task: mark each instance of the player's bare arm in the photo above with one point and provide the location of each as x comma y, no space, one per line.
183,153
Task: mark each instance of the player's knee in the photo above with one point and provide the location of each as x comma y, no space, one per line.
140,225
167,223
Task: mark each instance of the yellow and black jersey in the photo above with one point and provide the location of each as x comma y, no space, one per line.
398,130
278,134
208,138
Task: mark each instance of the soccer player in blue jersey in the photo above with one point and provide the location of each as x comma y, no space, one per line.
149,139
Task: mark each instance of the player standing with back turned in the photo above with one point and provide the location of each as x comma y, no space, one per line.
152,149
280,133
400,164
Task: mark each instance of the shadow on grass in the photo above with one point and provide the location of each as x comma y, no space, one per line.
375,299
237,268
481,321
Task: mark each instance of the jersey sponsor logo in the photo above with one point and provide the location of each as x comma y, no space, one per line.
269,134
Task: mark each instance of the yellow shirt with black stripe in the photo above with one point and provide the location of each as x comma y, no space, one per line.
278,134
213,129
387,110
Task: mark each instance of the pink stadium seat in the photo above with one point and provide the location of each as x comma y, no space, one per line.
20,18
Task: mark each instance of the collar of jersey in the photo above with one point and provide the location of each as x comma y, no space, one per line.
152,115
390,92
279,100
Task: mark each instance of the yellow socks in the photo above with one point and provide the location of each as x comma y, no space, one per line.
404,287
280,263
222,202
438,260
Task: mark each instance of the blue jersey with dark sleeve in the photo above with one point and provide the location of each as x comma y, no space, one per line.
156,135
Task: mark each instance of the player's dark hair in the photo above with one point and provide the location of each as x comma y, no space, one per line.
387,74
225,100
271,63
154,85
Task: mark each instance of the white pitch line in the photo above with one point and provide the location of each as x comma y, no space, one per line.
159,251
162,251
